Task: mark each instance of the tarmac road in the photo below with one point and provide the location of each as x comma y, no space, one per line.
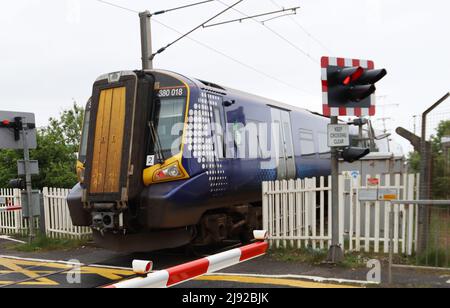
101,267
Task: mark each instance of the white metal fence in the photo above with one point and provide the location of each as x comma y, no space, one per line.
11,222
298,214
56,218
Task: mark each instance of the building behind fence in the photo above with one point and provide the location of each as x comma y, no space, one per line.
298,214
55,218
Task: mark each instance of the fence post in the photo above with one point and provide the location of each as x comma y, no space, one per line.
341,212
46,211
411,207
17,200
266,208
391,241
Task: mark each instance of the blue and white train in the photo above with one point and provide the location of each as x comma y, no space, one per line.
156,172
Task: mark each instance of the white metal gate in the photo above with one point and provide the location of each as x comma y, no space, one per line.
57,221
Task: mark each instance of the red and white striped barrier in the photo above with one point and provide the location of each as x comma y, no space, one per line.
10,209
189,271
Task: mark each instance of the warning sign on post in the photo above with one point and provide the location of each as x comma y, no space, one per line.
338,136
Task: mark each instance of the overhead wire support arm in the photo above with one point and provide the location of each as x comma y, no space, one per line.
181,7
193,30
292,10
281,16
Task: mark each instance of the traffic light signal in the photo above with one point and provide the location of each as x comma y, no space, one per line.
352,86
17,184
16,125
349,86
353,154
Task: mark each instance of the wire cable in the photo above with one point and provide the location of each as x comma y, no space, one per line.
235,60
182,7
223,54
277,17
254,16
195,29
319,42
283,38
118,6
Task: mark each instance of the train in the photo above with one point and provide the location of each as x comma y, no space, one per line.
169,161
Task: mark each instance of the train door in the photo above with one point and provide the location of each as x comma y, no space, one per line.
283,143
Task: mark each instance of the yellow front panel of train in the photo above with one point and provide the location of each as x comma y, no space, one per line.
108,143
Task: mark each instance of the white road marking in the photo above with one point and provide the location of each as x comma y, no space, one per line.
67,263
311,278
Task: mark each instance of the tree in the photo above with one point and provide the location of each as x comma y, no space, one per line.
441,164
57,150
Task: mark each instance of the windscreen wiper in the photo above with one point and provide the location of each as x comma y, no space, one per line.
157,142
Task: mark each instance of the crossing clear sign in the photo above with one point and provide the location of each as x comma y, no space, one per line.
338,136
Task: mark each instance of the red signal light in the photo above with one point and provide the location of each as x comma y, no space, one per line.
6,122
353,77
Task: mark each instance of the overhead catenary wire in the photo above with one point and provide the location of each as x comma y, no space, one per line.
223,54
281,16
250,17
118,6
215,50
280,36
229,7
312,37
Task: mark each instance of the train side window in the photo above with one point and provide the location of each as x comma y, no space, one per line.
307,145
219,132
257,140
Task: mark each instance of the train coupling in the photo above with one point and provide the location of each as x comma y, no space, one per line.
105,219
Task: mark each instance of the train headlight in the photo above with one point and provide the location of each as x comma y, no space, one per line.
171,172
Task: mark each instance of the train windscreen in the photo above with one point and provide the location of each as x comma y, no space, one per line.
170,121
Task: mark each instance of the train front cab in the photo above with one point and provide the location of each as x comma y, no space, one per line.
131,161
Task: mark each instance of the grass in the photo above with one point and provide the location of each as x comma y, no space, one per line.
42,244
308,256
352,260
317,257
437,252
436,258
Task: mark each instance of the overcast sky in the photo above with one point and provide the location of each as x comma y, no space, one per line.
53,50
